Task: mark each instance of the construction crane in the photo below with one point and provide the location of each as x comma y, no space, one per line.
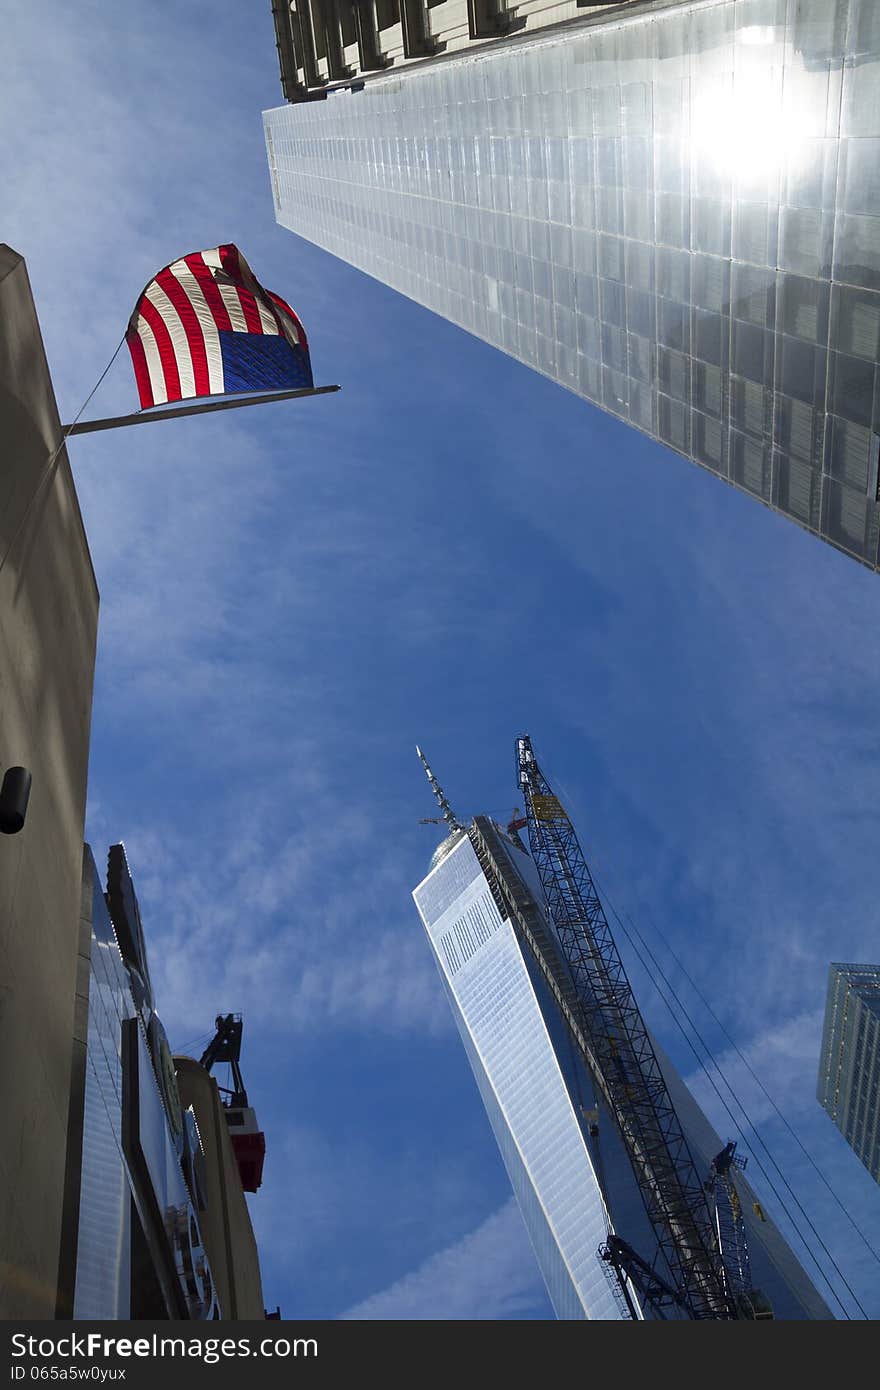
627,1267
248,1140
698,1225
619,1053
730,1230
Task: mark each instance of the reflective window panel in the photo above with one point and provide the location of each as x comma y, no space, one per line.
676,215
522,1085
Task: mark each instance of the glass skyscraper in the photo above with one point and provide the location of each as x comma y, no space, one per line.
674,213
527,1096
849,1064
561,1146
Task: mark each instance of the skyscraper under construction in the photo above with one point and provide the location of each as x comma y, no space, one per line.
634,1206
671,208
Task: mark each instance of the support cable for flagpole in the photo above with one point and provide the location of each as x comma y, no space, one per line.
50,467
145,418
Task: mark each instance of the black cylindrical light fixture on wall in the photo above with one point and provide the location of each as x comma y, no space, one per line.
14,795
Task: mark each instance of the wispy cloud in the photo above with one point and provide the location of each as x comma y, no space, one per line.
337,1219
253,921
289,602
808,1183
728,720
489,1274
783,1057
123,162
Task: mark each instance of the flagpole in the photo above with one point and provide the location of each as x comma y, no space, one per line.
142,418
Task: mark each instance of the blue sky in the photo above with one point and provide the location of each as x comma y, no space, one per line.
450,551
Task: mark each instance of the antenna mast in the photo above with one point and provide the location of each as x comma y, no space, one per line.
448,814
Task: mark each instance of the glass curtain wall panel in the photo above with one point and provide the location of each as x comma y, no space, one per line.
103,1268
523,1086
675,214
849,1064
564,1155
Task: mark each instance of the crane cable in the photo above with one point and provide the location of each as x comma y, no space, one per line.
755,1077
183,1049
701,1063
749,1122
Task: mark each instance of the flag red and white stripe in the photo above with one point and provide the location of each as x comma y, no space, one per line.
180,326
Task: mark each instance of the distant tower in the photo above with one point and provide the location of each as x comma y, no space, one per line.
849,1064
634,1207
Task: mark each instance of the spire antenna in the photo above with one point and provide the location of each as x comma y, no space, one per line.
448,814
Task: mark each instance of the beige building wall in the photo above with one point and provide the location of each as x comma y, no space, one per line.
48,628
226,1224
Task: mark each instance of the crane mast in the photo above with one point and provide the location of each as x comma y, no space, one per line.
620,1053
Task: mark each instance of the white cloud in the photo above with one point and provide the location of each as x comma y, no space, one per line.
729,716
123,160
237,562
783,1057
338,1217
489,1274
255,921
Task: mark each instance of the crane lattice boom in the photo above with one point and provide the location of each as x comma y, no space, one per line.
622,1056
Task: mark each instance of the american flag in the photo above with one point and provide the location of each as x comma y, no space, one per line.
204,326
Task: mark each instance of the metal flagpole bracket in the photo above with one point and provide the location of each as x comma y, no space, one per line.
202,408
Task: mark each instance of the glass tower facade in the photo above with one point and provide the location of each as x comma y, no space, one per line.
560,1144
528,1098
134,1235
675,214
849,1064
103,1259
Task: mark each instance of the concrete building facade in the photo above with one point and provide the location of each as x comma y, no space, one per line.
225,1222
48,630
322,43
120,1193
155,1225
